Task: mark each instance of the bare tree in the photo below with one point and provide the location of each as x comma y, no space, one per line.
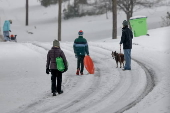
59,20
128,6
26,12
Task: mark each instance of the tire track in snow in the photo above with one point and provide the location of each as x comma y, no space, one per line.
69,83
121,110
82,97
149,86
91,103
85,95
71,106
118,88
114,89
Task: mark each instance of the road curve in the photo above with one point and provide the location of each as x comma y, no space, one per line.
109,85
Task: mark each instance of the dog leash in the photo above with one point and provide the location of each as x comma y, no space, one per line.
120,48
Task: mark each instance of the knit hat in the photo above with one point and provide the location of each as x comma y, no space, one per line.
10,21
125,23
56,43
80,32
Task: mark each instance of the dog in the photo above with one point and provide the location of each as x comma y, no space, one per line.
119,57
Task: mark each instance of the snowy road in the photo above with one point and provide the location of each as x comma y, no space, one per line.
110,88
25,87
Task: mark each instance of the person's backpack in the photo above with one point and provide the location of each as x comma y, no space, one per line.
60,64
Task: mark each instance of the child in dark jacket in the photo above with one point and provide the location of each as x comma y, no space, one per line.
51,62
80,47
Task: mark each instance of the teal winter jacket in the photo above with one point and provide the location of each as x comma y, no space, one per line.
80,46
6,26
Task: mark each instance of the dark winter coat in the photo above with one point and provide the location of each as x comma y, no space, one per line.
52,55
80,46
126,38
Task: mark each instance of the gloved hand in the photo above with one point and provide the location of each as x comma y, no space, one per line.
65,69
9,30
47,70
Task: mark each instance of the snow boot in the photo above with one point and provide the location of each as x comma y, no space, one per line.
60,92
81,73
77,73
54,94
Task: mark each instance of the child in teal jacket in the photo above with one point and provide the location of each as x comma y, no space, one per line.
6,29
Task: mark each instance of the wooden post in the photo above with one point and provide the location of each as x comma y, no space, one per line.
26,12
0,27
114,9
1,37
59,20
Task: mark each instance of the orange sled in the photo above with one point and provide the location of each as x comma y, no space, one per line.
88,63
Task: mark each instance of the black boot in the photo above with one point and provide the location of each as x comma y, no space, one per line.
54,94
60,92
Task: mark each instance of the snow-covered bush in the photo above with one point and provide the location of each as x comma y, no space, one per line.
166,20
83,10
47,3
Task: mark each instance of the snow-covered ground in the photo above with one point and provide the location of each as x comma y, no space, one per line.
25,87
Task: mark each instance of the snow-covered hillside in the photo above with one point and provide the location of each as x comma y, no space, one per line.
43,21
25,87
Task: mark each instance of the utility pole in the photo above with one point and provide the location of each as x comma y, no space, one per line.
26,12
114,10
59,20
0,27
0,31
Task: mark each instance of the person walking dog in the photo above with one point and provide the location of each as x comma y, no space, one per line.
126,39
80,47
55,73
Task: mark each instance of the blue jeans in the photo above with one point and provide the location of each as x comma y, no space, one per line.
6,33
127,54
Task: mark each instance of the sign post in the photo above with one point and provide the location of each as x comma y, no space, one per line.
1,37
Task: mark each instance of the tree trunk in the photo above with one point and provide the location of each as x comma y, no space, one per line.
128,15
114,8
26,13
59,20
